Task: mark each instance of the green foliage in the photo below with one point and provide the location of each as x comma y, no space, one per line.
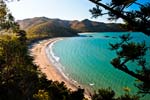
6,19
41,95
109,94
17,73
20,79
104,94
136,20
132,52
128,97
20,76
79,94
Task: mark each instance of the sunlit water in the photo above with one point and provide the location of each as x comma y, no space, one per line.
86,61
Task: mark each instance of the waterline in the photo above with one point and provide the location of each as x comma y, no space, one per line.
86,60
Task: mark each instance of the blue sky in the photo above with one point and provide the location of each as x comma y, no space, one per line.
63,9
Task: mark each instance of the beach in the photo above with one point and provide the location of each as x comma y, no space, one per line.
90,63
38,52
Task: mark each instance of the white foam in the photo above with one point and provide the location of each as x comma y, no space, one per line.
91,84
53,56
56,62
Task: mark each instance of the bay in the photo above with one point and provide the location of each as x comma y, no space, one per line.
85,60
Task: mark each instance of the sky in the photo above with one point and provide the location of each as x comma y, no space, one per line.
63,9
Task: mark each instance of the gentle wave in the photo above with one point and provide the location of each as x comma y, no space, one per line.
88,61
53,57
56,62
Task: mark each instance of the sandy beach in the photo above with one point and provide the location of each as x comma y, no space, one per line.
38,51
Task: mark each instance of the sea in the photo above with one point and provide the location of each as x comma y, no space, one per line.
85,61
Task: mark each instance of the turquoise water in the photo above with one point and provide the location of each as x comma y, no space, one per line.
86,61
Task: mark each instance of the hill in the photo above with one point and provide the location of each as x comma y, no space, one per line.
92,26
42,26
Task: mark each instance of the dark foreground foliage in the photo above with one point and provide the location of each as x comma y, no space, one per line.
109,94
127,52
135,19
21,80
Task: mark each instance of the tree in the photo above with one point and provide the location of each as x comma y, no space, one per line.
41,95
6,19
78,95
20,79
104,94
20,76
136,20
109,94
133,52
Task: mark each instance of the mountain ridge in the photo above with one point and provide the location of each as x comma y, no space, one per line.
58,27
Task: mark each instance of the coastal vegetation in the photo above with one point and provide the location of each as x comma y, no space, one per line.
109,94
51,30
135,19
127,51
20,79
46,27
133,52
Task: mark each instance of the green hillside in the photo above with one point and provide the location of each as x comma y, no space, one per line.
42,27
50,29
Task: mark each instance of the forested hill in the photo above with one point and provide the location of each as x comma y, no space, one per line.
58,27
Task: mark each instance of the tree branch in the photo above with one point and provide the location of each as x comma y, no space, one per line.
119,14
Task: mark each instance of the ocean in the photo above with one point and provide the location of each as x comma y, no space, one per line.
85,61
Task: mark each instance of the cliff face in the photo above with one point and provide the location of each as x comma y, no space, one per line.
57,27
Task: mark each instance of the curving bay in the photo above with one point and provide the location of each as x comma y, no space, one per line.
86,60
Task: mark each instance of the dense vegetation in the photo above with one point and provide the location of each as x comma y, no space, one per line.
109,94
20,79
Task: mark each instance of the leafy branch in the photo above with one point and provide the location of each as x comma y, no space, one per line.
127,52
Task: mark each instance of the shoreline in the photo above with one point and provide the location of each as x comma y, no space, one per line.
47,66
